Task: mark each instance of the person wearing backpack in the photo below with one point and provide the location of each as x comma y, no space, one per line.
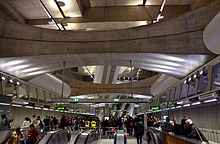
130,125
139,130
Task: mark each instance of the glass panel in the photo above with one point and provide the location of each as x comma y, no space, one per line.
216,77
40,94
203,82
47,94
22,92
183,91
176,92
10,89
192,88
171,94
33,92
4,109
167,95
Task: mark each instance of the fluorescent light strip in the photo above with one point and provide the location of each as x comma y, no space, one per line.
4,104
186,105
56,110
178,106
15,105
211,100
28,107
45,109
37,108
197,103
51,109
173,108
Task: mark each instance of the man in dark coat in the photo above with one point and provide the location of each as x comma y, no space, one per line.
176,128
139,130
193,132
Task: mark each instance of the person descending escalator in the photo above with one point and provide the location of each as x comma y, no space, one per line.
120,124
16,137
193,132
139,130
62,122
32,135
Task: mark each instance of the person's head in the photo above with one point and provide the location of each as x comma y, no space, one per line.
26,118
171,123
188,123
3,116
38,117
174,118
33,116
32,126
185,118
18,130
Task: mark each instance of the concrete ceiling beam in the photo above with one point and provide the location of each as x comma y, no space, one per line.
118,14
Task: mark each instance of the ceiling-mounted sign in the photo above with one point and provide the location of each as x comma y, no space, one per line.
154,108
61,108
76,100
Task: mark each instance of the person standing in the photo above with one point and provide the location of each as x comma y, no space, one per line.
32,135
26,122
139,130
34,120
16,137
5,124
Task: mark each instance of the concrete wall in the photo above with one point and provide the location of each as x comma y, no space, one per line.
20,113
205,116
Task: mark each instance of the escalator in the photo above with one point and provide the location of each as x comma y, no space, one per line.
87,137
120,137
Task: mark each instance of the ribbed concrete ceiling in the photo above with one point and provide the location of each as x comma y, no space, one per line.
170,64
96,14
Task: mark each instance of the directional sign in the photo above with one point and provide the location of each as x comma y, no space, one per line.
116,100
76,100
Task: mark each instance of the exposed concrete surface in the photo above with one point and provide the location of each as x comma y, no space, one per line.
181,35
82,88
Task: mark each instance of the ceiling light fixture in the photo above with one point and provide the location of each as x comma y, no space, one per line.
49,15
211,100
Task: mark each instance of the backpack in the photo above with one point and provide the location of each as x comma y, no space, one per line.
41,124
131,124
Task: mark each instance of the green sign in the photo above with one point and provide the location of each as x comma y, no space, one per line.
26,103
60,108
116,100
180,102
76,100
155,108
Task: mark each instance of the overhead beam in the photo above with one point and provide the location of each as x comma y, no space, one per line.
118,14
11,12
98,100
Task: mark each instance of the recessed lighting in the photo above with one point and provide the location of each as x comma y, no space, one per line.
211,100
201,72
60,3
196,103
186,105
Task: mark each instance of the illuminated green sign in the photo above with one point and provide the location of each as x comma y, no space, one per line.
26,103
155,108
76,100
61,108
180,102
116,100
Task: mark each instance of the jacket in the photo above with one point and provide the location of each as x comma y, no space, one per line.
15,138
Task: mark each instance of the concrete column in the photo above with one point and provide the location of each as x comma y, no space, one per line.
210,73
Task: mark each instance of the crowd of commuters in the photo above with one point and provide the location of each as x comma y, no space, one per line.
133,126
38,126
185,128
